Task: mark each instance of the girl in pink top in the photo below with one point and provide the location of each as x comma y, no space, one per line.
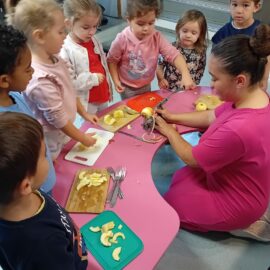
50,94
226,183
133,55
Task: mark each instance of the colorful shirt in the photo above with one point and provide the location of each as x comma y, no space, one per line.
47,240
229,30
137,59
195,62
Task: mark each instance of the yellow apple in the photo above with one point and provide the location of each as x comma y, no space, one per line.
147,112
118,114
109,120
201,106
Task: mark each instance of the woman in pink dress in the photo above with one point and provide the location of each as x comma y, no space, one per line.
225,185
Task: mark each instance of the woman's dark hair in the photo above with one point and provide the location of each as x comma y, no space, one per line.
21,137
194,15
12,42
138,8
242,53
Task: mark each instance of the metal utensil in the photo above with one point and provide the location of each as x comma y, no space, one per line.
162,102
114,176
134,136
122,174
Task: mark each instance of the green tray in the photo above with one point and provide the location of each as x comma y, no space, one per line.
132,245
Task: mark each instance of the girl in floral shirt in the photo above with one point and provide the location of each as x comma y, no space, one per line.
191,32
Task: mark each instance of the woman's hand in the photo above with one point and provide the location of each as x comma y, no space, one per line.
165,114
164,128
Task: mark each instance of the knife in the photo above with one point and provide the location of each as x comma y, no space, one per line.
115,194
162,102
134,136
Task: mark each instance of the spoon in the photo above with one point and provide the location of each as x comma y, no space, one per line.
113,175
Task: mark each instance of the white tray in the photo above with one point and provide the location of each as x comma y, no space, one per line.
90,155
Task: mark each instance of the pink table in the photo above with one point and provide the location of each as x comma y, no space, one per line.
142,209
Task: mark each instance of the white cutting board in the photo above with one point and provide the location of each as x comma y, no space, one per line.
90,155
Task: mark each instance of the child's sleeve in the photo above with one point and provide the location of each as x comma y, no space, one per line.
219,35
83,81
167,50
116,49
56,252
47,95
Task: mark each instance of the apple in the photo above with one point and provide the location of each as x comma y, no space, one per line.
147,112
201,106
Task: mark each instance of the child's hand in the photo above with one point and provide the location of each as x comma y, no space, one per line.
163,84
101,77
88,139
118,87
187,83
91,118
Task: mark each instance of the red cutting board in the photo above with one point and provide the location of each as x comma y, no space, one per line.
149,99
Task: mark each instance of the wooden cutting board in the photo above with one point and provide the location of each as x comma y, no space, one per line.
88,199
120,122
211,101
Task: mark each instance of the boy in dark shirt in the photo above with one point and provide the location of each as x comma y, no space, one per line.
35,232
243,22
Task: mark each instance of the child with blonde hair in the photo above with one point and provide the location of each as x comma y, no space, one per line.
50,94
134,53
191,33
85,53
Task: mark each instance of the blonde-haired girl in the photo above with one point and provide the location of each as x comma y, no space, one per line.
85,53
191,34
50,94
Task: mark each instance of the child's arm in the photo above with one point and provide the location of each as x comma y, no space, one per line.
115,77
181,65
83,113
201,67
85,138
173,56
83,80
162,82
264,82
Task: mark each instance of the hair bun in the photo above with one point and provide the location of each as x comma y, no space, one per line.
260,41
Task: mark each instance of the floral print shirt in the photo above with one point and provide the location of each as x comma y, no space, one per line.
195,61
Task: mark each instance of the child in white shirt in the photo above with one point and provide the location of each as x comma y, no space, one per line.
85,53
